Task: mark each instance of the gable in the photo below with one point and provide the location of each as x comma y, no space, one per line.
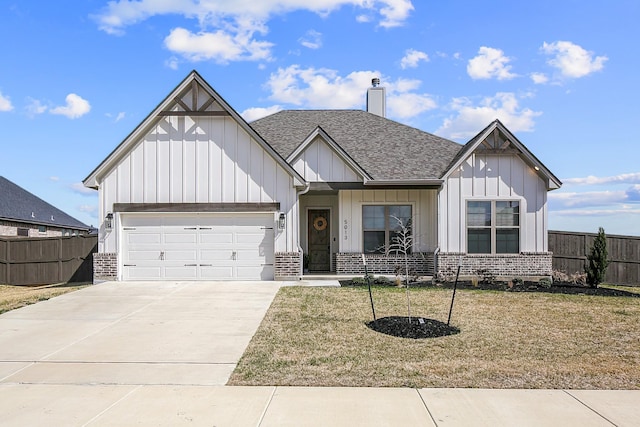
385,150
497,141
188,110
320,159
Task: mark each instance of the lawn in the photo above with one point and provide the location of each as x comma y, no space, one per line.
319,337
12,297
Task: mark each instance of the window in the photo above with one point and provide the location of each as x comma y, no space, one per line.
381,225
23,232
42,229
493,226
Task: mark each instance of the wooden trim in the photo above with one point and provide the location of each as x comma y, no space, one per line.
206,104
194,113
181,103
196,207
371,185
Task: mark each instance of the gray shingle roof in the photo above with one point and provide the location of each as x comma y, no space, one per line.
17,204
385,149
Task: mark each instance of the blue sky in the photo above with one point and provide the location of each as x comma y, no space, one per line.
77,76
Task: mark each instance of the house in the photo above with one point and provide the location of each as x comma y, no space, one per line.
195,192
23,214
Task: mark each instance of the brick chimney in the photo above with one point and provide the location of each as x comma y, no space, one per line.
376,99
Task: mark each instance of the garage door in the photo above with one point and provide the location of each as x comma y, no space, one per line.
198,247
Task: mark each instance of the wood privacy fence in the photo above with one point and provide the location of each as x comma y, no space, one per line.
46,260
570,252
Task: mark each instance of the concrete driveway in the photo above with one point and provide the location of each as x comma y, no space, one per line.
133,333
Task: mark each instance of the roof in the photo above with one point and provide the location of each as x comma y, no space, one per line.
171,101
17,204
385,149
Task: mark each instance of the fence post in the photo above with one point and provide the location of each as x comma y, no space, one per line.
59,242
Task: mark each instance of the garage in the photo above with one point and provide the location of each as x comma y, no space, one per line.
204,246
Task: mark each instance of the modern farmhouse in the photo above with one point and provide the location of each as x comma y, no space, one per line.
197,193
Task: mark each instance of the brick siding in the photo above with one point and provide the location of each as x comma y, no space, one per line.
288,265
351,263
10,229
105,267
523,265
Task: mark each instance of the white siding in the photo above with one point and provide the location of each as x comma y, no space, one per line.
493,177
319,162
424,210
205,160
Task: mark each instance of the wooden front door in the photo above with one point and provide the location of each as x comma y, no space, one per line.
319,240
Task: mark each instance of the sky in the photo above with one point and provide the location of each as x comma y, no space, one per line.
76,77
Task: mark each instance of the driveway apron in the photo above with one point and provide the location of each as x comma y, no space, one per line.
134,333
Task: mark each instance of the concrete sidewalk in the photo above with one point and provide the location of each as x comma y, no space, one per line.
159,354
170,405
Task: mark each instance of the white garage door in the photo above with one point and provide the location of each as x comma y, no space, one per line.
198,247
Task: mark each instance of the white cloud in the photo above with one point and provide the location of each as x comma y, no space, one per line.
119,14
76,107
312,40
35,107
121,115
79,188
407,105
172,63
412,57
572,60
54,178
251,114
539,78
227,29
219,46
469,118
587,198
625,178
325,88
596,212
490,63
92,210
5,103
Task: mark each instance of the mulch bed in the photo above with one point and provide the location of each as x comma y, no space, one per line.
418,328
556,288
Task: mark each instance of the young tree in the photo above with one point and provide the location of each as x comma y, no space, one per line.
402,243
597,260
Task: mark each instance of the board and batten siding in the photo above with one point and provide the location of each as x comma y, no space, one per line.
200,160
492,177
320,163
424,211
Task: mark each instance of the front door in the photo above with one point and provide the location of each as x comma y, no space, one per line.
319,240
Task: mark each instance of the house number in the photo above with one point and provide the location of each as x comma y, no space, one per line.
346,228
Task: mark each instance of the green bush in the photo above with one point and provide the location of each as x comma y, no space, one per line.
597,261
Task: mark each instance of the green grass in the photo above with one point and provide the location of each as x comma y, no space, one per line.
318,337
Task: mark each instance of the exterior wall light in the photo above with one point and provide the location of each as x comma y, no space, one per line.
282,221
108,222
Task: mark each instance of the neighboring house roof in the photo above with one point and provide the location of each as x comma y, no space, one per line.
386,150
173,104
509,140
19,205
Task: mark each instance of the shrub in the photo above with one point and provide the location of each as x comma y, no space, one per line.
545,283
597,260
559,276
488,278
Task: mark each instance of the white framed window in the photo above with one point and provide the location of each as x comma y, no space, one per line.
380,226
493,227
